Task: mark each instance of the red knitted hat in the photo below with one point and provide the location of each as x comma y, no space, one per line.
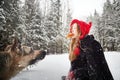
84,27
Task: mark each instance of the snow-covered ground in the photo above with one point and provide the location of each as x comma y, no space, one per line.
55,66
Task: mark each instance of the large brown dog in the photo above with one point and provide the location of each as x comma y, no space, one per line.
16,57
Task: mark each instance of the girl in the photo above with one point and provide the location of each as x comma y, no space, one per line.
86,54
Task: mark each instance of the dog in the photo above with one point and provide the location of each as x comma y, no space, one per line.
16,57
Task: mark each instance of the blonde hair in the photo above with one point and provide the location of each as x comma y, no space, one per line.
75,42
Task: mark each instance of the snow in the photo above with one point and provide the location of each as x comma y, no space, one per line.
113,59
55,66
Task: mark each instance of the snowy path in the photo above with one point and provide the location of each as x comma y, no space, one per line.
54,66
51,68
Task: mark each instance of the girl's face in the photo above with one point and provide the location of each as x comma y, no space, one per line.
75,30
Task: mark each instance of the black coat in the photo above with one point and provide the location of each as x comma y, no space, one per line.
91,63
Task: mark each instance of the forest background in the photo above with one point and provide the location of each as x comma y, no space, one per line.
44,24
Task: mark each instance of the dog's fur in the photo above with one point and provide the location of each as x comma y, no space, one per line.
16,57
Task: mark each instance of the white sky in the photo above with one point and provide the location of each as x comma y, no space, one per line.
84,8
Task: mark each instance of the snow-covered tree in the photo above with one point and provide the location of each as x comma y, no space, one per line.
53,23
37,23
32,21
66,19
108,35
107,25
116,23
96,28
9,16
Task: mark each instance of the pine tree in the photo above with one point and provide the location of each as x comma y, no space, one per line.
53,24
96,26
66,19
116,23
32,21
2,23
107,24
9,11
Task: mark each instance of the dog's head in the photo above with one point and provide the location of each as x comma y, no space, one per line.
16,57
18,49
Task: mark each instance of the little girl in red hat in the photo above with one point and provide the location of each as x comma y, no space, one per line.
86,54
